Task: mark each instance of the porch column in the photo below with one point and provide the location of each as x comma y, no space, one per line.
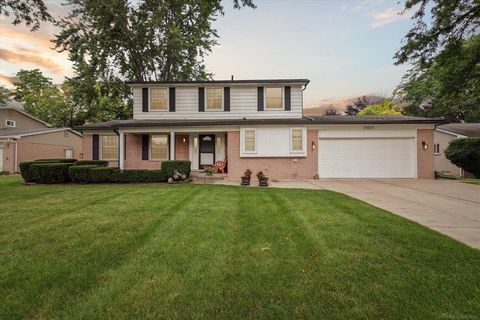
172,145
121,153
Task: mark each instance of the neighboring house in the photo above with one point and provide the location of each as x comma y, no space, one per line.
258,124
24,138
443,135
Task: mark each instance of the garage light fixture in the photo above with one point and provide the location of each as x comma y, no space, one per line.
424,145
314,146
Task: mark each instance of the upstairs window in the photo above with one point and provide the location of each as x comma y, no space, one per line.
158,99
273,98
214,98
296,140
10,123
159,147
109,147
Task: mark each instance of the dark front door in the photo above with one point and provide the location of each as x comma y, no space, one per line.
206,150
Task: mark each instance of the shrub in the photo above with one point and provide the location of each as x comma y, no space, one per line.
465,153
182,166
25,170
57,160
142,176
101,174
49,172
92,162
80,173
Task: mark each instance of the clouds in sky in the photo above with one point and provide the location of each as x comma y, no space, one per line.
388,16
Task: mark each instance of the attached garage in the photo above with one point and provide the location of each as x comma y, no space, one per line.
367,153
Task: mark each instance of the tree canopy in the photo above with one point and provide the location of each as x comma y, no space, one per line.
31,12
387,106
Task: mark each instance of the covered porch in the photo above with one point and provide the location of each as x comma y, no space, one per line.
146,149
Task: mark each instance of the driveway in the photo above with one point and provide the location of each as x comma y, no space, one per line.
450,207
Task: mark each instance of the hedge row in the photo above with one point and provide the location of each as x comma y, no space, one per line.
96,171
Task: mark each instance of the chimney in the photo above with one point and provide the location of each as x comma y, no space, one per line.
232,77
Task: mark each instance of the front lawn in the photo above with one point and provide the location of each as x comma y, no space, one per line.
203,252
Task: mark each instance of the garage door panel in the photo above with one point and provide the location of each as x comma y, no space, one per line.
367,158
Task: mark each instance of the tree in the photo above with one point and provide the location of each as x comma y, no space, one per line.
451,22
449,88
32,12
387,106
41,98
4,95
465,153
148,40
355,107
331,111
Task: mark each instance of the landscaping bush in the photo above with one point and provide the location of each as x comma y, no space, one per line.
92,162
182,166
25,171
465,153
81,174
49,172
142,176
57,160
101,174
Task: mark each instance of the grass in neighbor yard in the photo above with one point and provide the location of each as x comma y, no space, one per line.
198,251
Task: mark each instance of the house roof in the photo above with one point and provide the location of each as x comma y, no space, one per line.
387,119
18,106
251,81
18,133
464,129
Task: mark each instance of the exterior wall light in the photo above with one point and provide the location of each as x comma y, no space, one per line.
424,145
184,140
314,146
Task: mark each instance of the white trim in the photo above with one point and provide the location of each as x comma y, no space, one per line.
242,140
18,136
450,133
10,126
121,150
265,108
221,99
304,142
167,109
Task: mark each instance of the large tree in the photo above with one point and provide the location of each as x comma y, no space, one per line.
443,49
352,109
141,41
449,88
449,22
31,12
387,106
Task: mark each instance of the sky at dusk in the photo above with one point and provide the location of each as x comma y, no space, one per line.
344,47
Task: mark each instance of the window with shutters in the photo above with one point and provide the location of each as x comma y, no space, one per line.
159,147
250,140
273,98
159,99
214,99
297,140
109,147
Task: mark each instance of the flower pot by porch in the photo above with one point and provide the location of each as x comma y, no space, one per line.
245,181
263,182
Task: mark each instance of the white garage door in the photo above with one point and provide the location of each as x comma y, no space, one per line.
367,158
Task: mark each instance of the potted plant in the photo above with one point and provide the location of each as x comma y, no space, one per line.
262,179
209,171
247,175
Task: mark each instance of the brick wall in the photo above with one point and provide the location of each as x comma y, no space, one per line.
425,157
275,168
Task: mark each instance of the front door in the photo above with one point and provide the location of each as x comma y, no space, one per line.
206,150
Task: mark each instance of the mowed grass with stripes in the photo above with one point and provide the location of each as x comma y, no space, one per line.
216,252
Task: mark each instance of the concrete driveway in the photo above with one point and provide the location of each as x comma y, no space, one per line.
450,207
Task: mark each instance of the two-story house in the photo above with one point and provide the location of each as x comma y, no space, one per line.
258,124
24,138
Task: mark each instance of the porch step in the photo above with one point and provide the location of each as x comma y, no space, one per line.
201,176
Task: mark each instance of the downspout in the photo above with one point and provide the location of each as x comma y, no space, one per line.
119,155
15,162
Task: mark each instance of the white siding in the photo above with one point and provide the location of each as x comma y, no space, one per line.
243,104
273,142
